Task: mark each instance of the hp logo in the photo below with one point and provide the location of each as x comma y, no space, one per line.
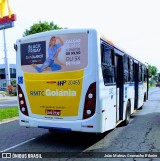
61,83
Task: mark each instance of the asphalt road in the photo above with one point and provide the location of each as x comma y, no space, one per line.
141,135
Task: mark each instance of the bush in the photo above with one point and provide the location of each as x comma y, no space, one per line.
15,93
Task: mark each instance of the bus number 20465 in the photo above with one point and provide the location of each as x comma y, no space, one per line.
74,82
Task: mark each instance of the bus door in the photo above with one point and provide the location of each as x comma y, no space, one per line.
136,67
108,70
120,87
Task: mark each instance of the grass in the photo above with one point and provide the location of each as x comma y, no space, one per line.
6,113
153,85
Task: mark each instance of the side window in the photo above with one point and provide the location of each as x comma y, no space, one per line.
106,56
140,73
144,76
108,64
126,73
131,70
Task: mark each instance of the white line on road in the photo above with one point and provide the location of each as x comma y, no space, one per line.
17,145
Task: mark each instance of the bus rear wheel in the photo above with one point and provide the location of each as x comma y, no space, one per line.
128,114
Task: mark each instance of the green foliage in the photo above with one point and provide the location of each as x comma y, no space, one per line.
158,77
153,75
13,82
151,85
152,71
6,113
41,27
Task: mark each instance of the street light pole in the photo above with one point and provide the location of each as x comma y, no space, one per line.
7,72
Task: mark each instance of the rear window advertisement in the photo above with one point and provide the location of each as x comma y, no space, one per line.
55,53
34,52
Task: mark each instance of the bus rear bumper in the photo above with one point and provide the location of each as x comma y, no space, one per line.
91,125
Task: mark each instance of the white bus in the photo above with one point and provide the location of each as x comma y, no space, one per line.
76,80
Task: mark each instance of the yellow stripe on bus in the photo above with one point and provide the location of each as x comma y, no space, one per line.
51,76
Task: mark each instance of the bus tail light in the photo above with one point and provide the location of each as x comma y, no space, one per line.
22,102
90,101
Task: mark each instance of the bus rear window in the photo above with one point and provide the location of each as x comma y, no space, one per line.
55,53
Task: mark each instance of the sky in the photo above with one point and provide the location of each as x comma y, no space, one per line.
133,25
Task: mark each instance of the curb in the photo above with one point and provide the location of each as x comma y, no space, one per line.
9,120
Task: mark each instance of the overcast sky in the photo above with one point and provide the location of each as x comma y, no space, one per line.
134,25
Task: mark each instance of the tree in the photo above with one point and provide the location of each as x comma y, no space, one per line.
158,77
41,27
13,82
152,71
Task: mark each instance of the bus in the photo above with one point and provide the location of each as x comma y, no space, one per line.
77,80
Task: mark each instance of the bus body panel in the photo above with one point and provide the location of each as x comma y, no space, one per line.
58,99
140,95
58,96
92,124
54,96
107,98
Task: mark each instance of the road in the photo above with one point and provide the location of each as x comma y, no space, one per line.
8,101
141,135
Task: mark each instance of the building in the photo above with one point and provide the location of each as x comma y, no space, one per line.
12,69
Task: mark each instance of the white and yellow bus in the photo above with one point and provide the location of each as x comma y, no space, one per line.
76,80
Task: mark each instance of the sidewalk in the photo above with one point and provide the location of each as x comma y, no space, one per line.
6,97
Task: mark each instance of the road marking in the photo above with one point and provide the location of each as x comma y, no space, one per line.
15,146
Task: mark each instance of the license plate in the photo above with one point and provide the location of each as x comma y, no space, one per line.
53,112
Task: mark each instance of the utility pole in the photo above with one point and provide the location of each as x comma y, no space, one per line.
7,71
6,21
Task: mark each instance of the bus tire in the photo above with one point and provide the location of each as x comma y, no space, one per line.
141,107
144,100
145,97
128,114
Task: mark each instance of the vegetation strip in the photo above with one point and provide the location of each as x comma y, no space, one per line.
6,113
